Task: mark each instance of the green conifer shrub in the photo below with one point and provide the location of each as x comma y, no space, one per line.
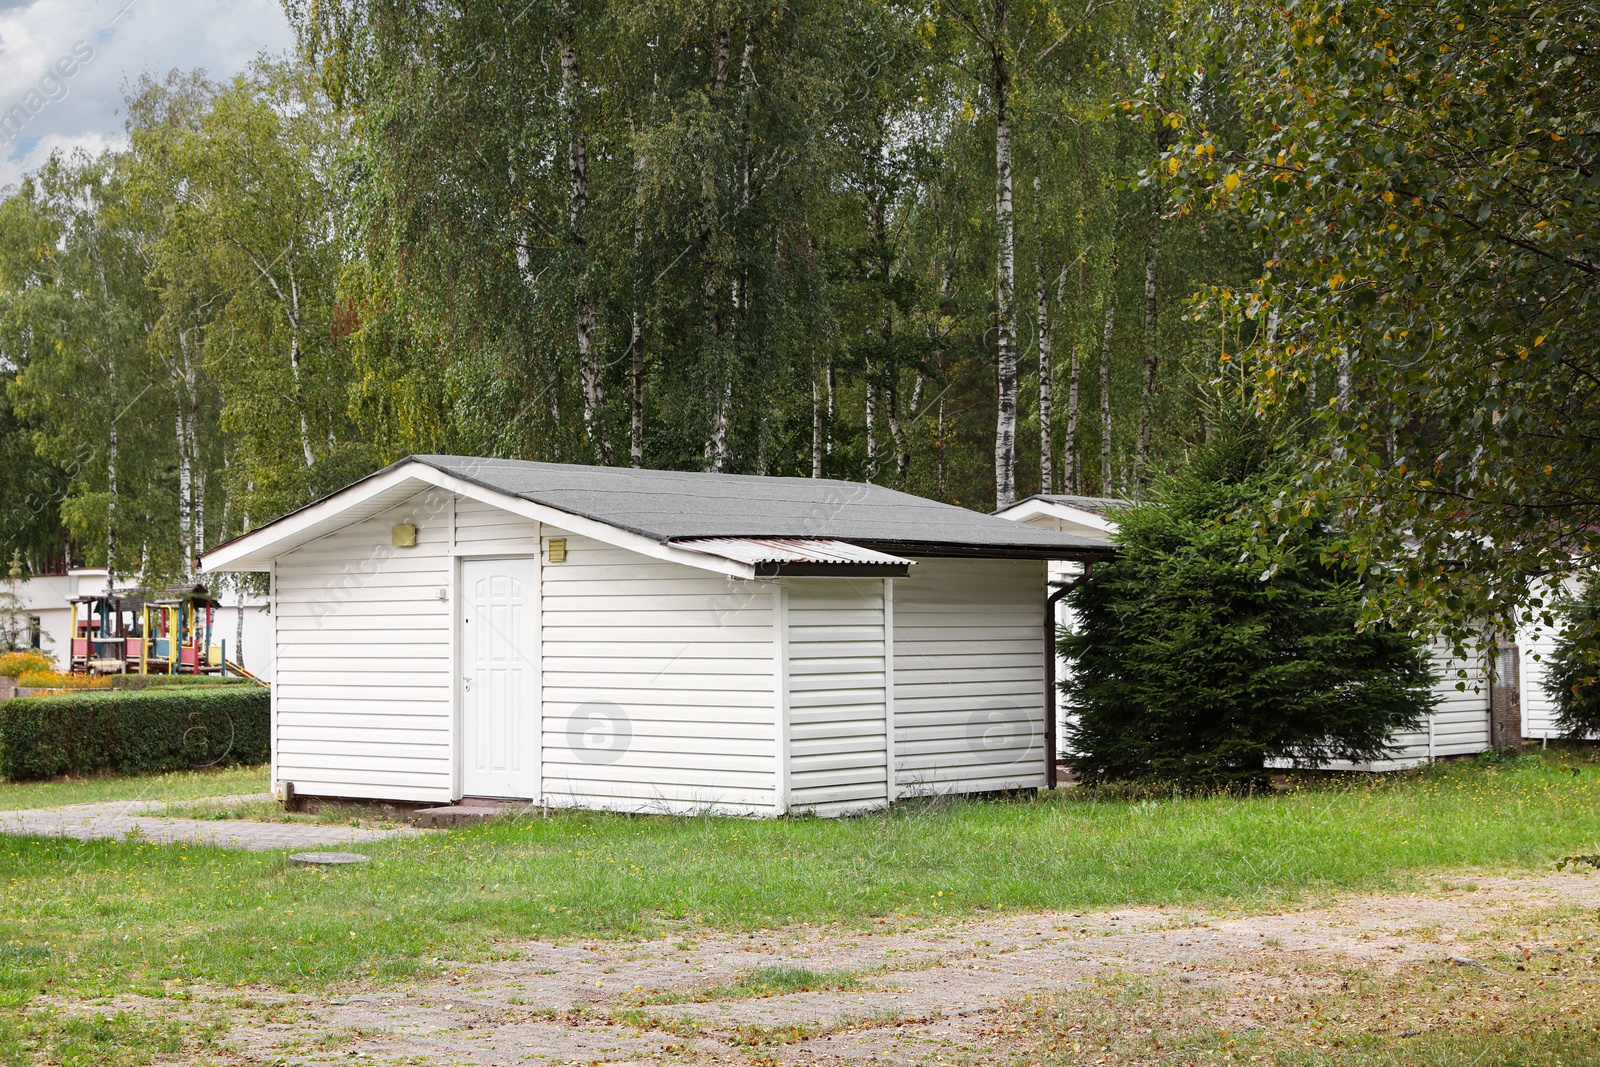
1191,663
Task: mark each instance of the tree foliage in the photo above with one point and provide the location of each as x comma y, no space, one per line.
763,239
1420,182
1188,666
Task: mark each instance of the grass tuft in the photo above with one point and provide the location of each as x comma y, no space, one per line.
765,982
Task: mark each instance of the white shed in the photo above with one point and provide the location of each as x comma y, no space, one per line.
1459,724
651,641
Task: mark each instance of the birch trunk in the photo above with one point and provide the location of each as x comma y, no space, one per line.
1046,348
880,270
872,425
111,478
184,422
238,629
238,637
832,383
817,380
290,302
1105,381
897,426
197,486
636,389
1152,356
185,491
227,501
294,368
636,331
716,450
740,282
578,243
1005,436
111,443
1069,452
1046,383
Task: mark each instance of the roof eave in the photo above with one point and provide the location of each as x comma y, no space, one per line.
961,550
833,570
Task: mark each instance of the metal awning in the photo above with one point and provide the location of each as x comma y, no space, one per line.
775,556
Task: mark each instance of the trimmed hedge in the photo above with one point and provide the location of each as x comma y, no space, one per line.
173,681
134,732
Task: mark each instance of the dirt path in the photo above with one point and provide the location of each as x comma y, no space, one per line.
926,995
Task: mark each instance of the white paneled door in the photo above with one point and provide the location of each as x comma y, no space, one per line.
499,681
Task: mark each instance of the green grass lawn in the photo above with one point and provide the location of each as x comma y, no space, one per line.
102,917
179,785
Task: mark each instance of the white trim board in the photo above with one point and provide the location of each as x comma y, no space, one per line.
255,551
1026,510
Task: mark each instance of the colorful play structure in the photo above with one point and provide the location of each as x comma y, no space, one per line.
171,634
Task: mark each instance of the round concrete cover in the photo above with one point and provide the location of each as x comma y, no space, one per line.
327,859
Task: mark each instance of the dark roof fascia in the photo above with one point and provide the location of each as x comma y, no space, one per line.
833,570
942,550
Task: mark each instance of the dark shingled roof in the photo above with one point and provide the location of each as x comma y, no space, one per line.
678,505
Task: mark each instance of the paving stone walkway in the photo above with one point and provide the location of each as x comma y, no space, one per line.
936,993
161,823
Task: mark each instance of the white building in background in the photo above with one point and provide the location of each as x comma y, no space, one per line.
1459,725
47,615
44,614
652,641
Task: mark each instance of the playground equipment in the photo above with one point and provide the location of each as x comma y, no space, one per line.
179,629
170,635
105,634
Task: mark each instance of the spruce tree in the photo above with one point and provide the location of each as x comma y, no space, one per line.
1191,665
1573,681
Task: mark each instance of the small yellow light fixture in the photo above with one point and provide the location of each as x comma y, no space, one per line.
403,535
558,550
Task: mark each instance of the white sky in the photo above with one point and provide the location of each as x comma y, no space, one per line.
126,39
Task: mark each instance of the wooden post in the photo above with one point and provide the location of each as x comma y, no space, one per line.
1505,700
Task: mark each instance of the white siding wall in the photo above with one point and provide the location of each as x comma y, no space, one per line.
362,673
1538,709
55,632
484,530
259,653
1460,721
670,670
684,661
1058,571
837,670
969,676
1459,725
1537,644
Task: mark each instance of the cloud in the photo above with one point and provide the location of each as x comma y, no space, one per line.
65,63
